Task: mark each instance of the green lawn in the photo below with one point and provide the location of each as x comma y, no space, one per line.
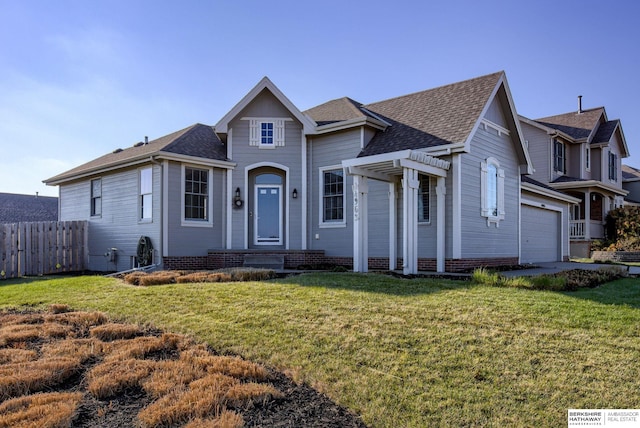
401,353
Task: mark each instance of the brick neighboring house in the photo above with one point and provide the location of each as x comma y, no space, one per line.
16,208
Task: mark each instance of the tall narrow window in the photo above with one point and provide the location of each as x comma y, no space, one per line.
146,193
587,158
96,197
196,194
423,199
492,191
333,195
613,166
559,156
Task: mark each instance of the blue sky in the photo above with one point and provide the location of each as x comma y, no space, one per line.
79,79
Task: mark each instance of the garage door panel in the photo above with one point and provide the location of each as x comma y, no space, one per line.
541,235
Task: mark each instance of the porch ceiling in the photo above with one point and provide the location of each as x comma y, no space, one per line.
387,166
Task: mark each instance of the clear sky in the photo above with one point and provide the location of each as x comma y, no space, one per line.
79,79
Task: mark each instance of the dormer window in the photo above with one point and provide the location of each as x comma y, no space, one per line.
559,157
267,133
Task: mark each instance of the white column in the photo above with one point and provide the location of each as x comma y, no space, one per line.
360,226
410,186
441,191
393,226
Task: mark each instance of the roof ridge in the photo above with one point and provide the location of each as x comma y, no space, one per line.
435,88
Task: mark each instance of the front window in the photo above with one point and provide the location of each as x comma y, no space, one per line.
559,156
266,133
613,166
96,197
492,190
423,199
146,194
332,195
196,194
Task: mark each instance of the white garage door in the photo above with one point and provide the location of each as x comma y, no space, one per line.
541,235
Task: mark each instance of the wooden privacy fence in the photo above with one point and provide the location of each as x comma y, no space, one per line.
42,248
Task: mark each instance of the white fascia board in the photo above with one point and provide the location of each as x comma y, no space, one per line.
589,183
513,114
383,157
196,160
351,123
418,166
355,170
549,193
307,123
100,170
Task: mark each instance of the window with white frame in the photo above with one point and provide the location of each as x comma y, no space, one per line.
613,166
423,198
146,193
196,195
96,197
587,158
332,191
559,157
266,133
492,190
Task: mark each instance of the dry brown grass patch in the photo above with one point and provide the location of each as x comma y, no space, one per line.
169,375
12,355
114,377
51,410
231,366
82,349
202,398
78,319
133,278
114,331
158,278
226,419
58,308
143,346
246,394
33,376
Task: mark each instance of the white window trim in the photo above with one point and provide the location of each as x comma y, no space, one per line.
196,223
428,222
140,218
612,156
587,158
564,157
484,209
334,223
91,197
255,131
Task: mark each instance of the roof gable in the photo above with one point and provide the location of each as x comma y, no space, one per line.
223,124
578,125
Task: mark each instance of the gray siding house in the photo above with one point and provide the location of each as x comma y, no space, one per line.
580,154
436,180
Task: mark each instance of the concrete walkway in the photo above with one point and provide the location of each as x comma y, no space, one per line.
554,267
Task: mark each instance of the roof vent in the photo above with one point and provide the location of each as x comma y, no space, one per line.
146,140
118,150
579,104
138,144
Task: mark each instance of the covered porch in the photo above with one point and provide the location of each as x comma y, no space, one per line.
403,167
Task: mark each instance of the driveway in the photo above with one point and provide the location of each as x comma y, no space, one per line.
554,267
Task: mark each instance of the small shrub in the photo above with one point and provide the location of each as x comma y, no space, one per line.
485,277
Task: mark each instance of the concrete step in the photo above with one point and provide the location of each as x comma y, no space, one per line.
265,261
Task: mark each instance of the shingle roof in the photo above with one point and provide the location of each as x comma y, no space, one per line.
196,140
605,131
576,125
337,110
630,173
16,208
527,179
434,117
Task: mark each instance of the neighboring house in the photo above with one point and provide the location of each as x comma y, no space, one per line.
435,180
16,208
631,183
579,153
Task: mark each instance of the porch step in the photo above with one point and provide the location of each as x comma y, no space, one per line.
265,261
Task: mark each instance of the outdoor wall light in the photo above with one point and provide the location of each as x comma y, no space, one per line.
237,202
295,194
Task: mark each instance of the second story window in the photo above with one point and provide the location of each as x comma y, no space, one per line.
266,133
613,166
559,157
587,158
96,197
